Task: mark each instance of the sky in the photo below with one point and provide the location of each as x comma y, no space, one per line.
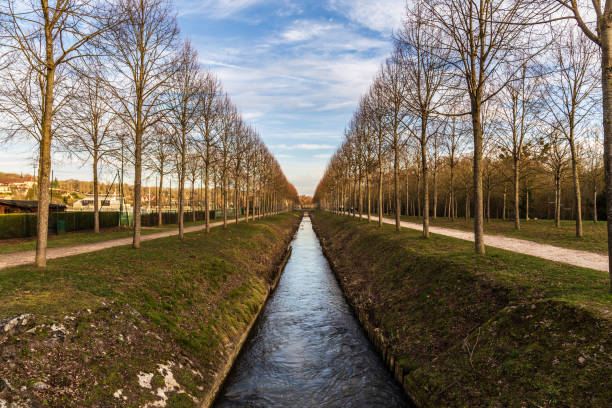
295,70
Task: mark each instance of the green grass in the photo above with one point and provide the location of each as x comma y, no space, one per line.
160,267
595,237
81,237
528,320
200,293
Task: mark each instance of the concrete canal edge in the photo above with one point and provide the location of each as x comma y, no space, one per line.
223,373
372,332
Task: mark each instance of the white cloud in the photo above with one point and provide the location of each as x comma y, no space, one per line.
327,36
302,146
214,8
378,15
251,115
303,30
323,156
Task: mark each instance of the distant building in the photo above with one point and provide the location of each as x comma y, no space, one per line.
23,206
109,204
6,192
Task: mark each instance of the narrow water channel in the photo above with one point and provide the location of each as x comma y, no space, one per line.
307,349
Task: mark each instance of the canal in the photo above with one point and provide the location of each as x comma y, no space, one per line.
307,349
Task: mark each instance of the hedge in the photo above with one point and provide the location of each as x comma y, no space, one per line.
24,225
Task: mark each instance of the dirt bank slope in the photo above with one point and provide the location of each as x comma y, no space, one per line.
147,328
476,331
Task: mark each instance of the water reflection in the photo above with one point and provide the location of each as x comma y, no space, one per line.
307,349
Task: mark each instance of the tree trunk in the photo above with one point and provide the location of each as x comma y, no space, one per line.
44,161
435,192
360,199
369,197
418,197
181,192
159,197
224,187
407,191
504,205
606,80
577,197
248,191
594,205
237,204
526,203
478,196
488,204
96,188
193,212
515,180
425,175
452,204
380,191
396,164
138,177
206,201
557,201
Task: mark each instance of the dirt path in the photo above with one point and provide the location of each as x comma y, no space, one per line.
27,257
574,257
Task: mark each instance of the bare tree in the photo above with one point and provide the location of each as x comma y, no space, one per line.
194,166
239,144
90,123
250,155
227,127
480,39
600,32
520,104
570,100
454,141
424,95
42,37
208,127
593,159
374,113
158,157
141,48
184,105
394,88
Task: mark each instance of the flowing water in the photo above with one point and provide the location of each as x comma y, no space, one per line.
307,349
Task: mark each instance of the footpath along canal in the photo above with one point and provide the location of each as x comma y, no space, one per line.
307,349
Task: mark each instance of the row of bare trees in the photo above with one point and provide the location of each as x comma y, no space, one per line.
100,79
517,78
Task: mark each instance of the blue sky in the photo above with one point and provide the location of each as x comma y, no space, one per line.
295,69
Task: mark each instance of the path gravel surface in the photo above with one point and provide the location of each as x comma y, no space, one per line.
574,257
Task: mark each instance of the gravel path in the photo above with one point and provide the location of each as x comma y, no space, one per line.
27,257
574,257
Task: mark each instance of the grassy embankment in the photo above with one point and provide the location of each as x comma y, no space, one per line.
9,246
595,237
172,310
477,331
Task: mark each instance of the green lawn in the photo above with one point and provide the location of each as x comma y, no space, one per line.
503,329
594,240
195,296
